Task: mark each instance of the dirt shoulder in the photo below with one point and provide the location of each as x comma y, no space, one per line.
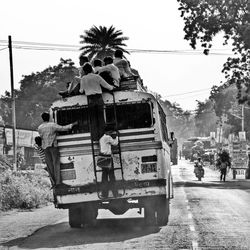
17,224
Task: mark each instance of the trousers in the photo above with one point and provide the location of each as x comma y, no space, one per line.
223,173
52,159
96,115
108,181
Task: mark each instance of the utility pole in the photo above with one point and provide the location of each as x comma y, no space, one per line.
240,116
13,105
243,118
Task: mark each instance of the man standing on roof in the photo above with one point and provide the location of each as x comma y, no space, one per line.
91,84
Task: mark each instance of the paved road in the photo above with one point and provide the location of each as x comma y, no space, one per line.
204,215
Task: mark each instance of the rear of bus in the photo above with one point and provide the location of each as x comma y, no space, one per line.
142,165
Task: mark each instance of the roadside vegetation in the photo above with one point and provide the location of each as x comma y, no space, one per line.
24,190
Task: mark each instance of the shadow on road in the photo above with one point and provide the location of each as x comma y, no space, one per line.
237,184
106,230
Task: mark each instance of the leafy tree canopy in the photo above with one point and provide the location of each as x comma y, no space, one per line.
37,92
206,18
205,118
179,121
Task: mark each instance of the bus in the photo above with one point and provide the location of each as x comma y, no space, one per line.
141,159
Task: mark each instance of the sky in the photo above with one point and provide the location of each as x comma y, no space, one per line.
179,77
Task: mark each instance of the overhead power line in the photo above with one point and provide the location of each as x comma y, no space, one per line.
75,48
40,44
190,92
4,48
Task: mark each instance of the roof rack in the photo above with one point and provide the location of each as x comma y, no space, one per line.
130,83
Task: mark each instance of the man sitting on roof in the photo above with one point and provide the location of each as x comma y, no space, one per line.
97,64
110,67
123,65
74,85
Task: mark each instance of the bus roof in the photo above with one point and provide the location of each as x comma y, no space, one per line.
120,97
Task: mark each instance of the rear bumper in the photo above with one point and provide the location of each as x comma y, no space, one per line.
129,202
93,187
133,190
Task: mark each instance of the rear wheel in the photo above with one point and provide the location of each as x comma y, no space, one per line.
162,211
75,217
82,215
156,211
89,214
149,213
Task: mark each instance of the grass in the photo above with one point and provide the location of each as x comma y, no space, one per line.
24,189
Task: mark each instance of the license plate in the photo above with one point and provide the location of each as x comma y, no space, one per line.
148,168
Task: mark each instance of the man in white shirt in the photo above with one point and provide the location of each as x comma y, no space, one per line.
108,139
92,85
110,67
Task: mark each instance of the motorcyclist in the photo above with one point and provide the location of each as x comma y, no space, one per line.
198,168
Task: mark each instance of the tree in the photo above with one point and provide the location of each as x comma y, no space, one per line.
205,118
5,107
223,97
102,41
37,92
204,19
179,121
225,102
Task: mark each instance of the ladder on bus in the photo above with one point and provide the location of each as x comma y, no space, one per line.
115,150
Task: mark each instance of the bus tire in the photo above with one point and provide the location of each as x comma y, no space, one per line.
89,214
162,211
149,213
75,217
156,211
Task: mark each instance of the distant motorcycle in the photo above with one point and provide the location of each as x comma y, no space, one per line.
198,169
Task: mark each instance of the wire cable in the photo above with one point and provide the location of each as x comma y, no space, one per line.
190,92
76,48
3,48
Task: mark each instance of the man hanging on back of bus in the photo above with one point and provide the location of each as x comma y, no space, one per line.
47,131
91,84
105,161
41,154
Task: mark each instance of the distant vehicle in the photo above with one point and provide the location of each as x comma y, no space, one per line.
209,156
190,152
197,150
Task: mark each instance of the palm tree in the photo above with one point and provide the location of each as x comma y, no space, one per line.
102,41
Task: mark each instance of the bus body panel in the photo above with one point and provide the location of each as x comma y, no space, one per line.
145,153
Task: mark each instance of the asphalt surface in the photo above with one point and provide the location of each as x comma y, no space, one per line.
206,214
